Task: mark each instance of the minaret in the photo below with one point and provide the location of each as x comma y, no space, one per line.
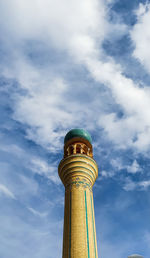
78,172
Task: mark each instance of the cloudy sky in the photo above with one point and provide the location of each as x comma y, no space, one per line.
74,64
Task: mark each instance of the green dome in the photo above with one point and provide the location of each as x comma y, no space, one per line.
78,133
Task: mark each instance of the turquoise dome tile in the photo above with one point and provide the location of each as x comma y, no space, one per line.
78,133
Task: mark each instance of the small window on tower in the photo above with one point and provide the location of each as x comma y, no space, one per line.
85,149
78,149
71,150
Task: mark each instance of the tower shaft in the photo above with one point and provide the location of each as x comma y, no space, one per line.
79,224
78,172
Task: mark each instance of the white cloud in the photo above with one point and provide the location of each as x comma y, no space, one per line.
13,149
144,184
5,191
133,129
134,168
71,27
44,109
37,213
118,164
132,185
129,185
44,20
140,34
41,167
106,174
78,28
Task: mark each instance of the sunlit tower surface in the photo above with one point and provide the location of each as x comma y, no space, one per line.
78,172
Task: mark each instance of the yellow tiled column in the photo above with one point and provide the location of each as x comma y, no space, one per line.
78,173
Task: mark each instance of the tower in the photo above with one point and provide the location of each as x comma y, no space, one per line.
78,172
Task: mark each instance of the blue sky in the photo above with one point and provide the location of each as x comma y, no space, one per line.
74,64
